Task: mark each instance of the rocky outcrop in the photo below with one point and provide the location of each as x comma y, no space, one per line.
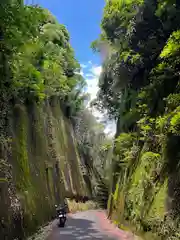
40,167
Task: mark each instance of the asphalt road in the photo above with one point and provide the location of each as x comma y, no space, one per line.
88,225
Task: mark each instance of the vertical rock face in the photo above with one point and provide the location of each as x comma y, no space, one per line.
42,167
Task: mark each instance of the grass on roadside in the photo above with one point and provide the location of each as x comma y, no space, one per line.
42,233
138,235
79,207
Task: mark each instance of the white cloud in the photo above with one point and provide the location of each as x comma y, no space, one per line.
83,65
92,79
96,71
82,73
110,128
91,74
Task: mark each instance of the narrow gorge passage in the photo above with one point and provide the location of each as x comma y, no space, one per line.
88,225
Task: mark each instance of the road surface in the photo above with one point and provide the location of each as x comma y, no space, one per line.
90,225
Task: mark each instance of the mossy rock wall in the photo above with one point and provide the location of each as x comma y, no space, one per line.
44,166
145,192
143,195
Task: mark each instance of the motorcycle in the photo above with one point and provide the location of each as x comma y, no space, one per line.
62,219
61,214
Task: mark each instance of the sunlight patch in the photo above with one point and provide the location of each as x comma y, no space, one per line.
91,73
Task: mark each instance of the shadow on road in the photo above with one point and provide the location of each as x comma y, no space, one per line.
76,229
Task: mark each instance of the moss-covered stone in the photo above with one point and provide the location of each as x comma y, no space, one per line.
46,166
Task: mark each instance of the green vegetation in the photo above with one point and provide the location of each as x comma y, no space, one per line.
77,207
42,158
51,147
41,97
95,151
139,87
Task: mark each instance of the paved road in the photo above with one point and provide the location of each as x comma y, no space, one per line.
89,225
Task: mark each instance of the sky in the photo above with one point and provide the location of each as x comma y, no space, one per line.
82,19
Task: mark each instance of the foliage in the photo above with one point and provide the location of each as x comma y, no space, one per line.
76,207
42,61
39,77
139,87
124,142
91,141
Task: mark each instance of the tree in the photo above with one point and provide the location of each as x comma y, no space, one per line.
139,86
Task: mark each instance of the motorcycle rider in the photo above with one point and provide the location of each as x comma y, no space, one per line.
63,207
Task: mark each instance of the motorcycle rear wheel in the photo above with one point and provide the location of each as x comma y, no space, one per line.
62,223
